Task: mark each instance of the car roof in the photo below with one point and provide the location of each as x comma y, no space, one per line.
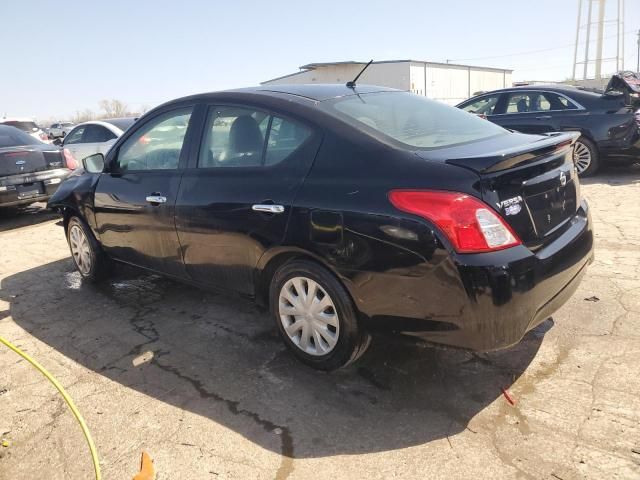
316,92
107,122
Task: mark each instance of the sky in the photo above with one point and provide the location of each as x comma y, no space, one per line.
63,57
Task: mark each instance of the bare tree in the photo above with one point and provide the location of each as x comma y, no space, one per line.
83,116
113,108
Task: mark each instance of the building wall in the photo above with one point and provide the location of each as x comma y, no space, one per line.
394,75
448,83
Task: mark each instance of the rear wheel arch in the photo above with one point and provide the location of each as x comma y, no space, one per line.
271,262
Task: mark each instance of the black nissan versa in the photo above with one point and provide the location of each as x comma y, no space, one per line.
344,209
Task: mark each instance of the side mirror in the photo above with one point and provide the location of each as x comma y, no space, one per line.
94,163
57,142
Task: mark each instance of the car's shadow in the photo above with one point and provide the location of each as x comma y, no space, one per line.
615,175
221,358
12,218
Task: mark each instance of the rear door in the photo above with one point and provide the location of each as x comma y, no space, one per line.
535,112
235,198
135,199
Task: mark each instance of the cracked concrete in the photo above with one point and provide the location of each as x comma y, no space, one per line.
202,382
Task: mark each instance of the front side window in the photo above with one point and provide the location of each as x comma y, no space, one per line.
412,120
157,144
483,106
75,136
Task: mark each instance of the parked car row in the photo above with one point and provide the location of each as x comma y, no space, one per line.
31,170
608,122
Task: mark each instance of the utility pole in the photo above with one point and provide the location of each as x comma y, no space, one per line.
638,64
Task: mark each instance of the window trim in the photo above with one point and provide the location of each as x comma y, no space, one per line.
184,151
270,113
578,106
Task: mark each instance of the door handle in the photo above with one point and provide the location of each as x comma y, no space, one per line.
156,199
544,117
267,208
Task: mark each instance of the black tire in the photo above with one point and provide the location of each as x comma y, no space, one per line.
101,266
595,156
352,340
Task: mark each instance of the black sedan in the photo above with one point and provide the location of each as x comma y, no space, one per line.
30,171
343,210
606,122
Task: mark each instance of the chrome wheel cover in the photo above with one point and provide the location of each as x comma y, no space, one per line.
80,249
309,316
581,157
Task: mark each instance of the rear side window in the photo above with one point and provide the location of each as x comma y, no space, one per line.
412,120
245,137
538,102
285,137
157,144
97,134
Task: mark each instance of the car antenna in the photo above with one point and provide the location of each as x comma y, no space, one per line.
352,83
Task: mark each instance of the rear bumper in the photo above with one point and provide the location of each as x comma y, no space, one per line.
28,188
489,301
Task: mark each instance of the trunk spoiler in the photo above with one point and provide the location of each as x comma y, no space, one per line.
548,143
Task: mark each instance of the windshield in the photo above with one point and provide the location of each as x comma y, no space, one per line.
12,137
413,120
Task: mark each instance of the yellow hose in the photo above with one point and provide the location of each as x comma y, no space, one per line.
67,398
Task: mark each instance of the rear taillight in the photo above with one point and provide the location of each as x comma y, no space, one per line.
470,225
70,160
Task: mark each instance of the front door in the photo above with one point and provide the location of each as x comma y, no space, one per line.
235,198
135,199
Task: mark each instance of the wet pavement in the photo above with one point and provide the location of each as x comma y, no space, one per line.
202,382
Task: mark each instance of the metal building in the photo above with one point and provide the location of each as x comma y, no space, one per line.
447,82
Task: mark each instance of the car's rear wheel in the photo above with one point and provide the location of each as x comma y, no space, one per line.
585,157
86,252
315,316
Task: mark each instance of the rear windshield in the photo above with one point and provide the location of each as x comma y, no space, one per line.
412,120
24,126
12,137
121,123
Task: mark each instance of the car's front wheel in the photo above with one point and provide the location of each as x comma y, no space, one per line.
86,252
316,316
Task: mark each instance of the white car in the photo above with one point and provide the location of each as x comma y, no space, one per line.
95,136
27,125
61,129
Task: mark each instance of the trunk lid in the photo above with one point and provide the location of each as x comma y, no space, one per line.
531,182
29,159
